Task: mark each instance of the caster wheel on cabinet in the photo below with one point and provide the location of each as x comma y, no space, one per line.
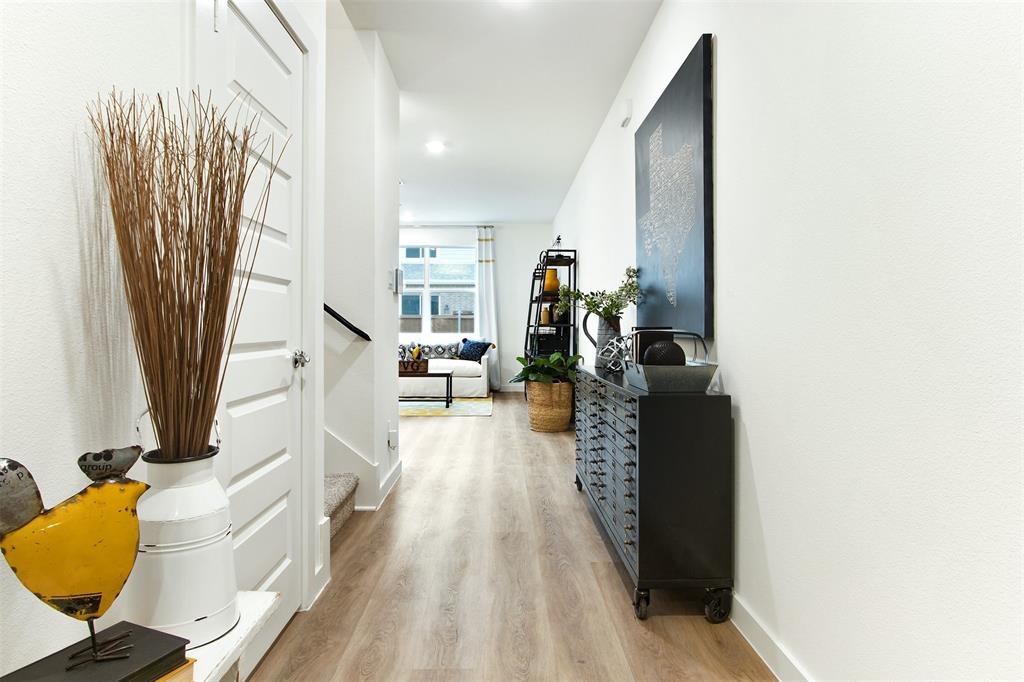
717,604
641,600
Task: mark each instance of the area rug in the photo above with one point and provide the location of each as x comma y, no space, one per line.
462,407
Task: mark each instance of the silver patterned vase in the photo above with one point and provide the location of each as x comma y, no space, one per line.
607,331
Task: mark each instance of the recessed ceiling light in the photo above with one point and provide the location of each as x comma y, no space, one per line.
436,146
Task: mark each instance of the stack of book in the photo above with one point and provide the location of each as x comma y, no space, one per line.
153,657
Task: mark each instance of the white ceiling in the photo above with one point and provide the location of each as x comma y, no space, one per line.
516,88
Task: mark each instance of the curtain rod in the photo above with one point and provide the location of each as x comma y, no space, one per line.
442,227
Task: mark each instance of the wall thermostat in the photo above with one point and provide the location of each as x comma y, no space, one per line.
396,281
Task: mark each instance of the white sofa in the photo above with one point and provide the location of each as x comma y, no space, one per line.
469,380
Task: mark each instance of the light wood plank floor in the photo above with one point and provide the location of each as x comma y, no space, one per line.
484,564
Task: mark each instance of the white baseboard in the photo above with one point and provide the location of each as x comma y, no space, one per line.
389,483
318,594
781,663
324,528
322,573
311,604
386,487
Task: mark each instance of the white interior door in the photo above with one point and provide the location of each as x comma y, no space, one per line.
252,58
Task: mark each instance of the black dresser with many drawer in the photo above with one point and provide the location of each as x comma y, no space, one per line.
657,469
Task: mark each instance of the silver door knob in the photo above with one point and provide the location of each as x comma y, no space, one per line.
300,358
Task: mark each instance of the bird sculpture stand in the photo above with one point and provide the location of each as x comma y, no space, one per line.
112,649
76,556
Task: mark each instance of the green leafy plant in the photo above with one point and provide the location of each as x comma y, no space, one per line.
605,304
554,369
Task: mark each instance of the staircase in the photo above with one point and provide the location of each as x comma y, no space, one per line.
339,498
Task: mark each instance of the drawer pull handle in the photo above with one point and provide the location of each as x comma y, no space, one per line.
629,464
628,495
629,431
579,459
631,512
630,446
629,542
627,479
628,526
598,461
600,498
631,415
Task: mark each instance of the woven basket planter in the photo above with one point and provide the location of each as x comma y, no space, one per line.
549,405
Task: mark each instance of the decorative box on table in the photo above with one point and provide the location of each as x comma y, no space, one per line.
412,366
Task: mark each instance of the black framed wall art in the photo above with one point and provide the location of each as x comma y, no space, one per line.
674,201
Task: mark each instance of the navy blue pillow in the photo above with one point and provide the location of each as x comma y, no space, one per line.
473,350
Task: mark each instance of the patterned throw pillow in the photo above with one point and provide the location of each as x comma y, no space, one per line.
473,350
409,351
441,351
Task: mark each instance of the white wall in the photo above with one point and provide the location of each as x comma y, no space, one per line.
349,218
361,244
460,235
69,381
516,247
385,259
868,316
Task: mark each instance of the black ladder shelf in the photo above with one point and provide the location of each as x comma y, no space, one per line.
545,339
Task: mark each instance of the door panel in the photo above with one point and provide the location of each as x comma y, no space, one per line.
254,564
276,220
266,307
254,62
251,491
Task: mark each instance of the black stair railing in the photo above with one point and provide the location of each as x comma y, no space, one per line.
348,325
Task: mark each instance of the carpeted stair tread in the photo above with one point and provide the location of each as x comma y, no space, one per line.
339,498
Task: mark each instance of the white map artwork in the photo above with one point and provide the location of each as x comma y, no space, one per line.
672,210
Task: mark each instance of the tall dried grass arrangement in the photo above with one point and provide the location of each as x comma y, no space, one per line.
177,173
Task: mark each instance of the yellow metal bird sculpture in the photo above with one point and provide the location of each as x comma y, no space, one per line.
76,556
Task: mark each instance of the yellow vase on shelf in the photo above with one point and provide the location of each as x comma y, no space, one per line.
551,281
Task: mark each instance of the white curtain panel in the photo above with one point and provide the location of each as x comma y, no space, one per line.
487,315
